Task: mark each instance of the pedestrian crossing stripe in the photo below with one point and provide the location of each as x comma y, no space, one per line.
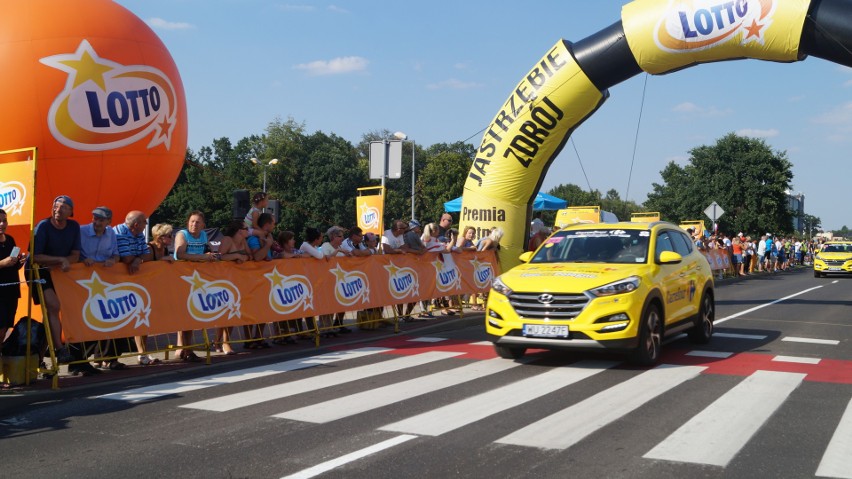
716,434
571,425
380,397
180,387
837,460
287,389
467,411
713,436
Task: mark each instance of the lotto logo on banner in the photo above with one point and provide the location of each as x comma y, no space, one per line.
703,24
106,105
447,277
369,217
110,307
13,194
402,282
350,286
209,300
289,293
483,273
369,212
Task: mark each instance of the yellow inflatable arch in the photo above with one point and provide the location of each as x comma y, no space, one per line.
570,83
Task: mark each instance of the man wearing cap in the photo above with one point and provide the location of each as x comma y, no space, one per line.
97,240
98,245
56,246
133,250
412,238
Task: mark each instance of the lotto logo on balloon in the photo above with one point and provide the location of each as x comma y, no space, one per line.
107,105
703,24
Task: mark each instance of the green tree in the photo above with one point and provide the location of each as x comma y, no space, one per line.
743,175
812,225
576,196
442,178
207,181
622,209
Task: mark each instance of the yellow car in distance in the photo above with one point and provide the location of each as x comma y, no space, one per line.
605,286
833,257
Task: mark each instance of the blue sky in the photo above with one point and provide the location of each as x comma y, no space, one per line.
439,71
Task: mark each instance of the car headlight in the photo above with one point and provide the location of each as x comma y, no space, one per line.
500,287
627,285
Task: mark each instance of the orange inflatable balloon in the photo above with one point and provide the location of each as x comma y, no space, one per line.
95,90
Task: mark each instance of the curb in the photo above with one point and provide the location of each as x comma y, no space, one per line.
41,391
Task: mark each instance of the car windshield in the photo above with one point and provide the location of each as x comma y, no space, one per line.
595,246
837,248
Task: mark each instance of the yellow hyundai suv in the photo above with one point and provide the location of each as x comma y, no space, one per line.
833,257
616,286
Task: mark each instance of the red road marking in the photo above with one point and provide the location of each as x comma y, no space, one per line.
739,364
745,364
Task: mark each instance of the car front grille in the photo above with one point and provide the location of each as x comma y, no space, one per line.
548,306
834,262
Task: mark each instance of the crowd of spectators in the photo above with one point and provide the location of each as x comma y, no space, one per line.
757,254
61,241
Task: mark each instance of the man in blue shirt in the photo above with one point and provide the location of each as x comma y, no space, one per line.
133,250
98,240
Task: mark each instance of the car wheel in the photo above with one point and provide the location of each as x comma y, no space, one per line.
816,274
650,338
506,352
703,329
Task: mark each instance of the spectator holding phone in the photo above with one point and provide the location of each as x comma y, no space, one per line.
11,260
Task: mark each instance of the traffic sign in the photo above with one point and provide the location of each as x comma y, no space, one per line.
714,211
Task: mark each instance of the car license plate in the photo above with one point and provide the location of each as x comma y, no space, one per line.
834,269
545,331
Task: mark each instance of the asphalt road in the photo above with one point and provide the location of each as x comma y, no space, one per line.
770,396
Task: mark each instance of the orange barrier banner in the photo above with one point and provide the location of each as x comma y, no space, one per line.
718,259
104,303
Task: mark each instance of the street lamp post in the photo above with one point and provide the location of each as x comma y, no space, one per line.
402,136
273,161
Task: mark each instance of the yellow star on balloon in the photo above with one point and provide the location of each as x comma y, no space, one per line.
88,69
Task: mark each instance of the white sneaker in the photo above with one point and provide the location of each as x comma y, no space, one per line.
146,360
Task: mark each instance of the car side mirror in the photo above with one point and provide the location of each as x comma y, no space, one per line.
669,257
526,257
